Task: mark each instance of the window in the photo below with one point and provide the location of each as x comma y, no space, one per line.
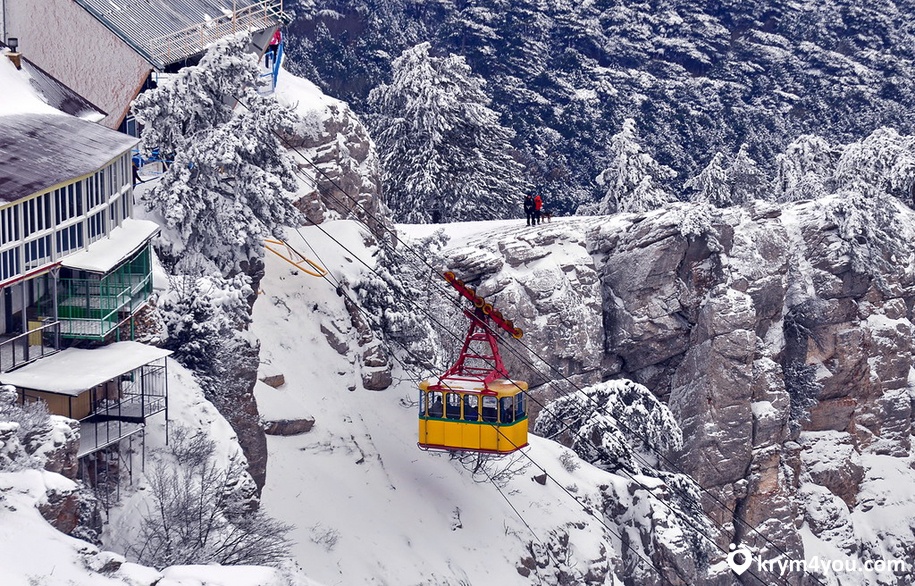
506,411
519,405
435,404
9,224
471,408
69,239
113,212
69,201
9,264
37,214
452,405
97,226
490,409
37,252
422,403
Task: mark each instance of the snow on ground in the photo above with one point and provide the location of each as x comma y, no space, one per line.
368,505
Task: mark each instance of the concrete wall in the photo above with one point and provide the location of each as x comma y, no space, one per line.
70,44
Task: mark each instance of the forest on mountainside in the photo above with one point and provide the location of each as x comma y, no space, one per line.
697,78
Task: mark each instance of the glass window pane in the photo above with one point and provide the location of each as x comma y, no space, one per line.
471,411
506,410
490,409
435,404
453,406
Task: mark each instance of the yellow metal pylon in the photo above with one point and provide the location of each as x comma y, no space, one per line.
291,255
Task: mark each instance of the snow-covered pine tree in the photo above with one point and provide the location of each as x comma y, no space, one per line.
444,155
711,185
631,182
803,170
614,424
747,181
884,162
229,184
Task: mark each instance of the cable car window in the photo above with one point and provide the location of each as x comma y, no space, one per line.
422,403
471,411
435,404
507,413
519,406
452,406
490,409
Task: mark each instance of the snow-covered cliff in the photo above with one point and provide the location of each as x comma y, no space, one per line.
781,340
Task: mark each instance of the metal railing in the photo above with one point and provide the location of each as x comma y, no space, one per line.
91,309
194,39
32,345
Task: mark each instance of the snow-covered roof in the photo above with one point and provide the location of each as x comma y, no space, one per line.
74,370
104,255
168,31
60,96
39,151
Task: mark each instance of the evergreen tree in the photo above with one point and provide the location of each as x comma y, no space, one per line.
711,185
884,162
746,180
229,184
803,170
444,155
631,182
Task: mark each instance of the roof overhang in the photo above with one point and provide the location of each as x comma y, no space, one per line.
103,256
75,370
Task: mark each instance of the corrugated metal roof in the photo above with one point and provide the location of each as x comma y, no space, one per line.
38,151
167,31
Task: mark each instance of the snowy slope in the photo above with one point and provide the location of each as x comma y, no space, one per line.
33,552
369,507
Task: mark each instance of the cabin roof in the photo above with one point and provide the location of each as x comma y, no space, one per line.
76,370
39,151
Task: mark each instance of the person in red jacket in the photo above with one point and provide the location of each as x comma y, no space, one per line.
538,205
273,47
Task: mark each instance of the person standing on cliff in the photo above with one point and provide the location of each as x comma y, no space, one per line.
538,205
529,209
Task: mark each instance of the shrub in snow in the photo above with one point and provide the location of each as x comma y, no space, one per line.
801,383
883,163
632,180
696,221
200,312
204,318
614,424
711,185
746,180
804,169
620,426
444,154
20,428
201,513
400,284
230,181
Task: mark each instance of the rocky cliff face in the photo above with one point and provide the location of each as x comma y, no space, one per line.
785,357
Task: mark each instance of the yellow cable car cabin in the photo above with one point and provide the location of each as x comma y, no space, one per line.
493,420
475,406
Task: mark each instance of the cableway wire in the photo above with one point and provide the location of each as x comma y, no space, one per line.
416,379
444,328
446,294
